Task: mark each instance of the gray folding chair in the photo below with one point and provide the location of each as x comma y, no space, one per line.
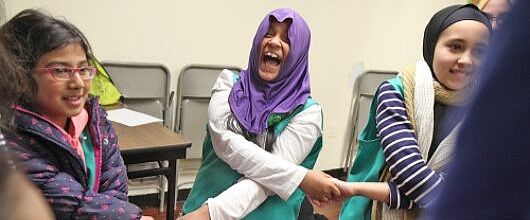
145,88
364,89
193,96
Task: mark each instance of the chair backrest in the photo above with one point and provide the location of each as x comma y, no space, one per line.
193,96
364,89
145,87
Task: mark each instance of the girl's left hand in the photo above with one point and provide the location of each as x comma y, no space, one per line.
200,214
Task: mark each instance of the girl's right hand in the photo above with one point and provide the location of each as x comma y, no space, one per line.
318,186
346,191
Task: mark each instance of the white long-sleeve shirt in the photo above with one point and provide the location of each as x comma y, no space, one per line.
265,173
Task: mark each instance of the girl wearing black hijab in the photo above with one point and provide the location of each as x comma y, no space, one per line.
488,177
409,138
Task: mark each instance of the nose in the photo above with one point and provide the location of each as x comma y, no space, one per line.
466,59
494,24
76,81
275,41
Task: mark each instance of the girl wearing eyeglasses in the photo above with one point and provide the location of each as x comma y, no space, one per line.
62,138
496,10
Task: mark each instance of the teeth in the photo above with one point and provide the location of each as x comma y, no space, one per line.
272,55
72,98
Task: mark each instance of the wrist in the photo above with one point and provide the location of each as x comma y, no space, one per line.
305,181
354,189
205,210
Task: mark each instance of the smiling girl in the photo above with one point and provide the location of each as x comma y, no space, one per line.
62,139
414,120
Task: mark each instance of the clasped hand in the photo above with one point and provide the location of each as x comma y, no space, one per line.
323,190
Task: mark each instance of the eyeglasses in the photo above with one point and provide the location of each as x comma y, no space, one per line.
499,18
66,73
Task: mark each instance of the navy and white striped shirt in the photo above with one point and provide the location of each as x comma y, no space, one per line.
413,182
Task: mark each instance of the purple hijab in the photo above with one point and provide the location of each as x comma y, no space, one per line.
252,99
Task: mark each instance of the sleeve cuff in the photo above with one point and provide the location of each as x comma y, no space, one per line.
211,208
397,199
290,187
394,196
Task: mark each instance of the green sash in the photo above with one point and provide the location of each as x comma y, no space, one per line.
215,176
368,163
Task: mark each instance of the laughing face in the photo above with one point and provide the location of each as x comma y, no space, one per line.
274,49
59,100
459,52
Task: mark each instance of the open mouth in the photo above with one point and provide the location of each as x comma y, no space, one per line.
73,100
272,59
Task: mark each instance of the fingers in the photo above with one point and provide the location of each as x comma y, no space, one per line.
329,191
314,202
319,203
335,191
321,187
336,181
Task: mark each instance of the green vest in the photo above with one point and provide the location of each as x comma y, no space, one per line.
368,163
215,176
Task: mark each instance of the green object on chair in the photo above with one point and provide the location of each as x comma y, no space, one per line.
102,85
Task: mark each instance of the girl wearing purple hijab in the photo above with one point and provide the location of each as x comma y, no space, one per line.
264,132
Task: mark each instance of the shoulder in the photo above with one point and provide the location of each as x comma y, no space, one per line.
95,110
225,80
311,114
314,108
391,88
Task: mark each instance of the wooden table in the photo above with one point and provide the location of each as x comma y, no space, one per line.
152,143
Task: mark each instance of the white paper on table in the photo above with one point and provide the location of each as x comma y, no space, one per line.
130,117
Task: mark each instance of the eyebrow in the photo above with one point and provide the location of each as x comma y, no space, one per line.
61,63
456,39
483,44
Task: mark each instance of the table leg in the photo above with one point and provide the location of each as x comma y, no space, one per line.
171,189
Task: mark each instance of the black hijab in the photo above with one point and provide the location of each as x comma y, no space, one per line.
445,18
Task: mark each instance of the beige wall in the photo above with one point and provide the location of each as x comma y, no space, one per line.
380,34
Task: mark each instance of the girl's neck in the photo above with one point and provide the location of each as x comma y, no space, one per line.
59,121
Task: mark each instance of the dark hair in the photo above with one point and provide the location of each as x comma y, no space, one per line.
31,34
11,83
233,125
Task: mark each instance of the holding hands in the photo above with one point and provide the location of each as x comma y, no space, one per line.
318,185
379,191
346,189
